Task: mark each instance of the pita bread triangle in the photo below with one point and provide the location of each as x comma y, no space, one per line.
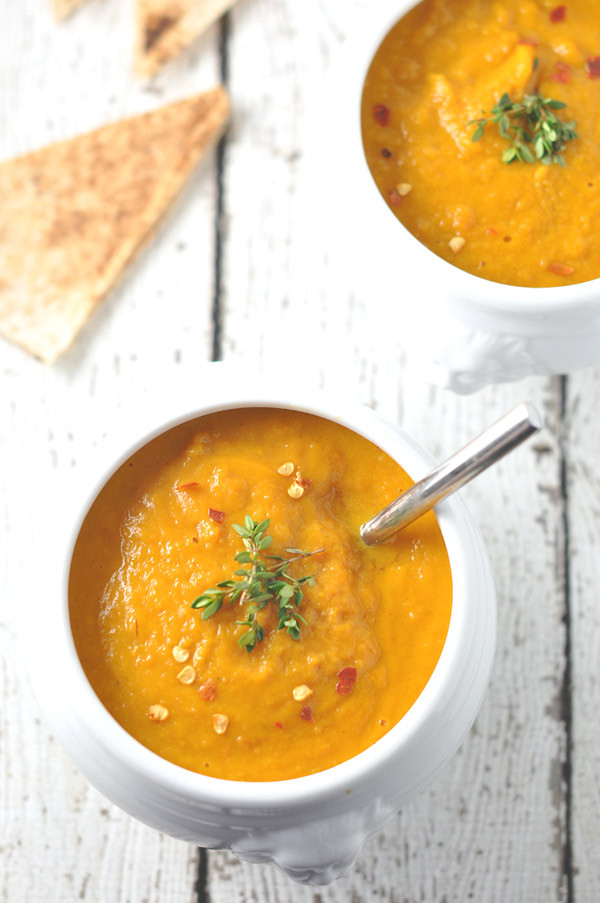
64,8
164,27
73,215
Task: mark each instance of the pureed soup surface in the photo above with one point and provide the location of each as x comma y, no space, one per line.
444,63
149,546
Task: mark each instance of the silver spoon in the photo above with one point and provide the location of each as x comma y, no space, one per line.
495,442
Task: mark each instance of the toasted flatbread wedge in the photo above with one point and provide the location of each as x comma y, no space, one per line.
164,27
64,8
73,215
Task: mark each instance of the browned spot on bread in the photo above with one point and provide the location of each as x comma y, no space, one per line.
156,27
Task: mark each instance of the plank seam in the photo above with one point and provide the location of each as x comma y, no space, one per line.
201,886
565,694
217,306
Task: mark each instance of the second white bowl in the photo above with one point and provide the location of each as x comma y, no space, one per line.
460,331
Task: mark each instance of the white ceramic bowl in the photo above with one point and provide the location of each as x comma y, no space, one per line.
461,331
311,827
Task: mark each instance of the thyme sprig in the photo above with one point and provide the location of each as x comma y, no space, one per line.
534,131
259,584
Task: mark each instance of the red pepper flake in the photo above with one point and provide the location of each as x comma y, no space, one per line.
191,485
561,269
278,724
558,13
346,680
562,73
385,153
592,67
394,197
306,713
208,690
381,114
491,231
219,516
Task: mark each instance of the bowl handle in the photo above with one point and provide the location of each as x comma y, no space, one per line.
319,851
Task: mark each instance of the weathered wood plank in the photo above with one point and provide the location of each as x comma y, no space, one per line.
59,839
582,488
492,827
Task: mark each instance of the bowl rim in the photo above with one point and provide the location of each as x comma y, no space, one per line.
303,792
495,297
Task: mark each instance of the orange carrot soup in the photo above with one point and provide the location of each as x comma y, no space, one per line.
480,127
226,612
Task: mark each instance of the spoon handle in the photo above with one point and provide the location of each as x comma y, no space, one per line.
495,442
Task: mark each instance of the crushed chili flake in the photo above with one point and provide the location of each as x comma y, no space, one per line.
562,73
180,654
381,114
157,713
208,690
190,485
385,153
394,197
491,231
278,724
558,13
214,514
561,269
306,713
457,243
346,680
295,491
220,723
592,67
301,692
187,675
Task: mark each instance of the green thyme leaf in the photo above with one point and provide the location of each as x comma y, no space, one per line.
259,584
531,122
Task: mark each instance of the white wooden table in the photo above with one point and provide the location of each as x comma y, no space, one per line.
516,815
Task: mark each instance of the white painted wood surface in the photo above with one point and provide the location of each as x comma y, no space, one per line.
514,817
